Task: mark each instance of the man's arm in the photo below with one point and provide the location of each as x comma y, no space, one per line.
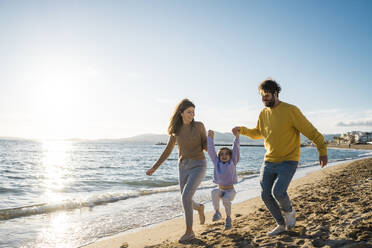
251,133
306,128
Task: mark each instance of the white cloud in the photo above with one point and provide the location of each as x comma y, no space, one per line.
355,124
341,120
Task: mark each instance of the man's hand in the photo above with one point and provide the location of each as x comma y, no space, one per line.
211,134
150,171
323,160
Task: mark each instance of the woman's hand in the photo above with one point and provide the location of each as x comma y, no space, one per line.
150,171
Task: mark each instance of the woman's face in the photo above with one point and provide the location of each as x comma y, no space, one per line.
188,115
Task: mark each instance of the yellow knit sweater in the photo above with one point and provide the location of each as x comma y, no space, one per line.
281,127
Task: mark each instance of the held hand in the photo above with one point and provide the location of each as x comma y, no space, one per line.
150,171
211,133
323,160
236,130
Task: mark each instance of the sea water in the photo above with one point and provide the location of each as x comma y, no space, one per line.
71,193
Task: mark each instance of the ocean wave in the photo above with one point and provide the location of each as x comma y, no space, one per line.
71,204
9,190
246,173
367,154
154,183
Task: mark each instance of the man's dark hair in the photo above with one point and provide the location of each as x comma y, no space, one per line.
269,85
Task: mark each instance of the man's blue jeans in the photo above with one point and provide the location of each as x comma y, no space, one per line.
275,179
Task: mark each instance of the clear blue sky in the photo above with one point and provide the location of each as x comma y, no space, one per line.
113,69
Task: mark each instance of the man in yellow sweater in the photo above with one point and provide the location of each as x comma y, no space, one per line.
280,125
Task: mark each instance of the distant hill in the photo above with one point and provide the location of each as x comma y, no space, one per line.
219,138
149,138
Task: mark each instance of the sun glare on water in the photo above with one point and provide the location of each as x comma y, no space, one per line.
56,168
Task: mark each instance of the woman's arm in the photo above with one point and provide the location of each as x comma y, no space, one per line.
204,138
167,151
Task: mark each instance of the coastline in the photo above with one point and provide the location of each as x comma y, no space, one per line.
352,146
251,220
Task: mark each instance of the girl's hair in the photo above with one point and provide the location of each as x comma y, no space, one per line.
176,120
224,148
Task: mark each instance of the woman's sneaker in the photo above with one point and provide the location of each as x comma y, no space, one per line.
187,237
290,219
217,216
277,230
228,224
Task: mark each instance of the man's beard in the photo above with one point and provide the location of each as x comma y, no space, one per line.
270,103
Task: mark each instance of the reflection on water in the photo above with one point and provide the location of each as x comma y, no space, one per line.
56,169
56,177
57,232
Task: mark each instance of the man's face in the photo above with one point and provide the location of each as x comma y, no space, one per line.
268,99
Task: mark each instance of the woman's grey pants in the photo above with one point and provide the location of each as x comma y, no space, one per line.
275,179
191,174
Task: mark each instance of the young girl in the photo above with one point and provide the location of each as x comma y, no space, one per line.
224,175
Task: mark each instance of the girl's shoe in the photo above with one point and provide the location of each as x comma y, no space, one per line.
217,216
228,224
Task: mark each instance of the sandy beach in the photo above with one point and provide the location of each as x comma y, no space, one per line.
333,210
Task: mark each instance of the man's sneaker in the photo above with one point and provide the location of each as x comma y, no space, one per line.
201,214
217,216
277,230
290,219
228,223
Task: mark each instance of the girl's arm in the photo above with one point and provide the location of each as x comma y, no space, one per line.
212,150
236,150
167,151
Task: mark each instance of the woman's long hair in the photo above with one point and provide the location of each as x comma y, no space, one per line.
176,120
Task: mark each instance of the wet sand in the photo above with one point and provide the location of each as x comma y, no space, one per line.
333,205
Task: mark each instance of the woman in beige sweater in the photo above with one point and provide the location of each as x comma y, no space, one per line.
191,139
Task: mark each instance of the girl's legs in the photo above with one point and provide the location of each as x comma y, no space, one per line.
227,198
216,196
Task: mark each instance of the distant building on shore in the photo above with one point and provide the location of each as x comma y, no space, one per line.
354,137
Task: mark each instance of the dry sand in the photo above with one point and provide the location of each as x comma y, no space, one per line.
334,209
